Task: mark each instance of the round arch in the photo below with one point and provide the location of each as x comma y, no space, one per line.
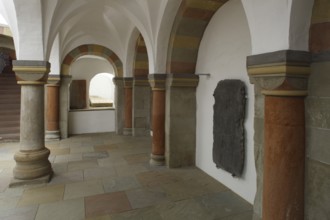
141,62
92,49
187,32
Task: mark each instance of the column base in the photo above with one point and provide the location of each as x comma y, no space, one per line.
127,131
157,160
16,182
32,165
52,135
141,132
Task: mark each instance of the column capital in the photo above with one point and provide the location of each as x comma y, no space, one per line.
53,80
157,81
128,82
31,72
118,81
182,80
280,73
66,79
140,81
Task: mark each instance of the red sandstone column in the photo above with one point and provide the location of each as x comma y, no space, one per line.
52,112
157,82
284,158
128,85
283,78
158,122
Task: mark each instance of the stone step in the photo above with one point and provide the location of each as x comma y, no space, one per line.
10,106
9,86
12,96
9,130
6,101
9,123
9,137
6,92
10,102
6,112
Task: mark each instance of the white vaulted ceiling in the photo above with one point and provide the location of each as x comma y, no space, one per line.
109,23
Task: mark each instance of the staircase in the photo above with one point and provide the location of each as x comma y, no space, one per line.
10,99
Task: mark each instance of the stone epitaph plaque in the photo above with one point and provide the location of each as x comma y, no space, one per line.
78,94
228,126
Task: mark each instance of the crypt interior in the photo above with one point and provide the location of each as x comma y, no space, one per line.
165,109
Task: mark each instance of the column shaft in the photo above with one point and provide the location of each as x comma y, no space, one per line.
157,83
52,112
158,123
32,122
284,158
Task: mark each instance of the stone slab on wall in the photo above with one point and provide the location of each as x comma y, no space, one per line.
228,126
78,94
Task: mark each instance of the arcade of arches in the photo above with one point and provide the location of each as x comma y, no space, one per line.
167,57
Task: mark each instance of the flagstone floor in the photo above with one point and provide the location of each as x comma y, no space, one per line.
106,176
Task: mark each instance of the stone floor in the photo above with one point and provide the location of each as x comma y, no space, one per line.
105,176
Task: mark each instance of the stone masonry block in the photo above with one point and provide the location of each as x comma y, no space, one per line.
319,80
318,144
317,112
317,190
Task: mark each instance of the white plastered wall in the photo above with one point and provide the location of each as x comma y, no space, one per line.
54,58
225,45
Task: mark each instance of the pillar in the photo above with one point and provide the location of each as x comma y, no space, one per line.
119,104
157,83
282,75
141,106
64,105
32,164
128,84
181,120
52,109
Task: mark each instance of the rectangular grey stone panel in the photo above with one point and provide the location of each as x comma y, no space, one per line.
78,94
228,126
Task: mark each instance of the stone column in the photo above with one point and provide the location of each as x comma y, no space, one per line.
181,119
282,75
141,106
32,164
64,105
157,83
52,108
119,104
128,84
